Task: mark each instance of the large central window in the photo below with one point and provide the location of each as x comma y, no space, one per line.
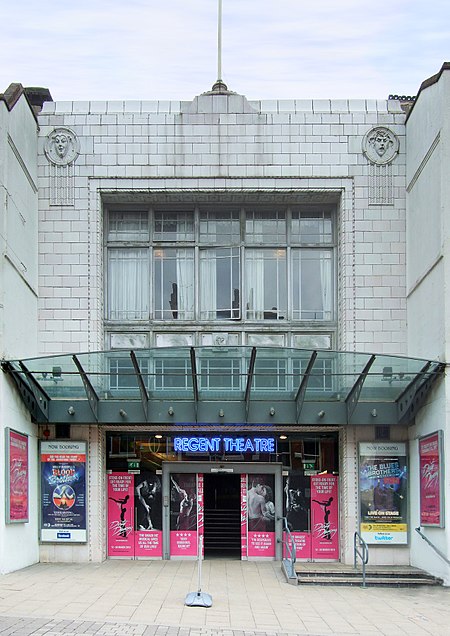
227,264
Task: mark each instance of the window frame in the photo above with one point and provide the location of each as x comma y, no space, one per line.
288,315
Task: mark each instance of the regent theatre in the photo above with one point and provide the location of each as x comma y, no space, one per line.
231,327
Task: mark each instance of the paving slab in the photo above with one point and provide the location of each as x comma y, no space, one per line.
146,598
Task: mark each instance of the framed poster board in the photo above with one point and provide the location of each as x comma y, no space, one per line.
383,493
17,477
63,491
431,467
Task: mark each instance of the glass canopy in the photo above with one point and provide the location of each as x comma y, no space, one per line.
223,385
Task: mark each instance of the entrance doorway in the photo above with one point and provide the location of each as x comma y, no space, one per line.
222,515
208,503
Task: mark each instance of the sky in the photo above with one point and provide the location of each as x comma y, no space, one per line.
271,49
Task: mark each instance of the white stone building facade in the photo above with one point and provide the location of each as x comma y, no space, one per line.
371,175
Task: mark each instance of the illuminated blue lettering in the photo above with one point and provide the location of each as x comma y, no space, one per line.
249,446
227,442
214,444
193,444
230,444
265,445
209,444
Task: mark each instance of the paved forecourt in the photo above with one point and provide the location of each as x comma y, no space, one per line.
249,599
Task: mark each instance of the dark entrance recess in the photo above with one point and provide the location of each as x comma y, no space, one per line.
222,515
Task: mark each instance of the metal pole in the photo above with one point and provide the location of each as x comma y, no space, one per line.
200,557
219,44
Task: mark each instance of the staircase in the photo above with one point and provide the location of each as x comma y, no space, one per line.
222,532
339,574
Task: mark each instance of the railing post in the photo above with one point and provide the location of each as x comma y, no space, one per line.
364,555
289,563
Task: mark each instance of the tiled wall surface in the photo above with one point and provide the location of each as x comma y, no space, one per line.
223,142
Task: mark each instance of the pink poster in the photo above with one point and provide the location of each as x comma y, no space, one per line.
244,516
183,515
430,481
120,515
261,516
183,543
147,516
325,517
261,544
148,543
17,488
200,510
302,542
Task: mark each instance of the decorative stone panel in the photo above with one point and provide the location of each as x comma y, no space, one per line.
62,149
380,147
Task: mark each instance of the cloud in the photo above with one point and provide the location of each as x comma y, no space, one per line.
143,49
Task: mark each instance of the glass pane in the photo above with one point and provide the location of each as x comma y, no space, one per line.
321,377
220,373
183,502
312,282
223,373
57,375
174,226
219,284
265,227
266,339
220,227
173,284
128,284
174,339
312,341
123,379
391,375
173,373
270,374
312,226
128,226
265,277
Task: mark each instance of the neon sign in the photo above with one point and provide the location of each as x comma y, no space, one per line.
224,444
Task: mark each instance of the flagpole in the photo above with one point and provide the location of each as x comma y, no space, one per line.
219,44
219,86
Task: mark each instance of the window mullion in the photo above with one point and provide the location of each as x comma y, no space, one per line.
150,279
196,282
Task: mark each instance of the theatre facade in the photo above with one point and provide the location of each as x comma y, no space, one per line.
225,324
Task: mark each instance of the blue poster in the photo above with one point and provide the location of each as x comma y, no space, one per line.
63,491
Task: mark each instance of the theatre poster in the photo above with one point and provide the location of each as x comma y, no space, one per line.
17,477
183,514
63,491
383,493
431,480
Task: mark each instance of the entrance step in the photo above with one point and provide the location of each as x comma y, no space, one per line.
339,574
222,530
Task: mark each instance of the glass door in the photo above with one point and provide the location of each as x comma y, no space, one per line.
134,515
312,514
261,516
184,509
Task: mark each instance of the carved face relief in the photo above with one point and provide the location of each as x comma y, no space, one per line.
380,145
61,146
381,142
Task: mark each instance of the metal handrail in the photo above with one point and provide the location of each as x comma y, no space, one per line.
289,562
438,552
361,550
